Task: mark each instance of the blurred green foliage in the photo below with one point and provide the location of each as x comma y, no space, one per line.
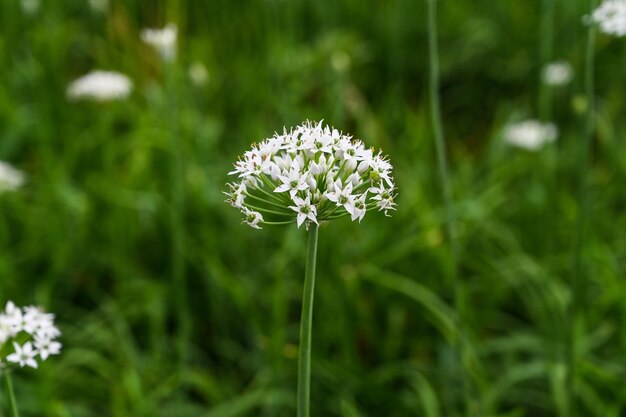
90,235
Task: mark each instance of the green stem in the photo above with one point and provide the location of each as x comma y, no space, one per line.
270,211
546,46
278,197
437,125
268,201
9,388
280,223
577,304
304,356
444,177
177,209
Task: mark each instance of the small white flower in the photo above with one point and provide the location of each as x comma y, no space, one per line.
341,195
384,198
11,179
530,134
324,142
23,355
611,17
253,218
36,321
46,347
558,73
163,40
237,195
293,182
347,152
304,209
13,318
100,86
357,208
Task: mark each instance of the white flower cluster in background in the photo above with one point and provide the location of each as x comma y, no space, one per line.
100,86
27,336
311,174
198,74
163,40
10,178
530,134
104,86
558,73
611,17
99,5
30,6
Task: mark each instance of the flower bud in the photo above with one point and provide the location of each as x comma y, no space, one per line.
355,179
330,185
363,166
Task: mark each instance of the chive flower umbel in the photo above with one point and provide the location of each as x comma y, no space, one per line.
310,174
558,73
100,86
27,336
11,178
531,135
611,17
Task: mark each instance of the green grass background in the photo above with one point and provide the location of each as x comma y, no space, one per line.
90,235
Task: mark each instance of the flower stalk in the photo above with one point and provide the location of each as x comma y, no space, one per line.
306,323
546,49
177,210
450,230
8,386
575,314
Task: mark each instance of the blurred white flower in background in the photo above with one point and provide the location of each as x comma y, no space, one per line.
198,74
10,178
100,86
31,333
530,134
30,6
611,17
340,61
558,73
99,5
163,40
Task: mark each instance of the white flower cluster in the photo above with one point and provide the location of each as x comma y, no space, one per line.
311,174
30,6
99,5
163,40
530,134
611,17
109,85
10,178
558,73
32,334
100,86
